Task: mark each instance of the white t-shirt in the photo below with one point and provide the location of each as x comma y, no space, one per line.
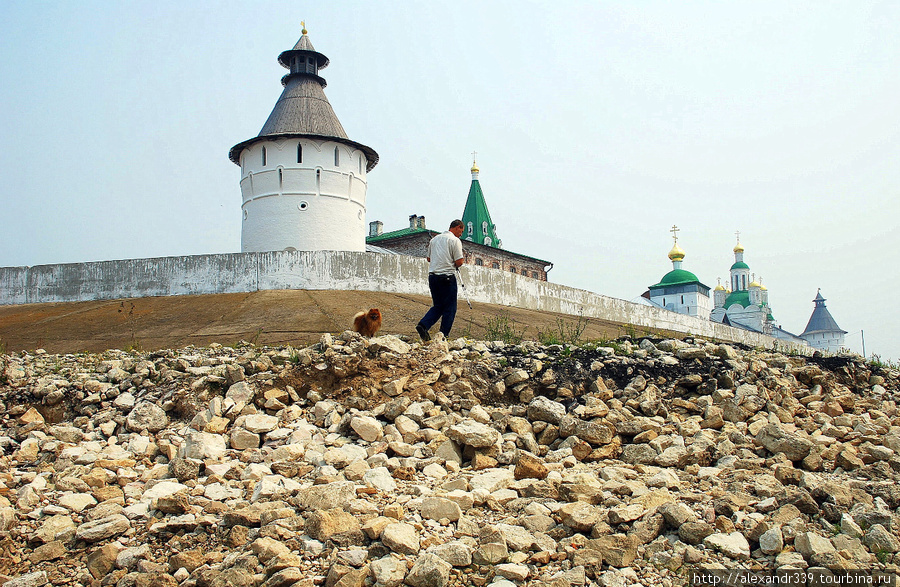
443,250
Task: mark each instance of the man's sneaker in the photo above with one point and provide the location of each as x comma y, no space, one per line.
423,333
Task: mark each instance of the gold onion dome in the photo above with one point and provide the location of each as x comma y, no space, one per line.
754,283
474,167
676,254
719,288
739,248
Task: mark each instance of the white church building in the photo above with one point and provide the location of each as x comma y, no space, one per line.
679,290
303,181
743,304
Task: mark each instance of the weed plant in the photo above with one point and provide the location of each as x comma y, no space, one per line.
503,328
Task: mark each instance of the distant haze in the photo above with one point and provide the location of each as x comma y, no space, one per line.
597,125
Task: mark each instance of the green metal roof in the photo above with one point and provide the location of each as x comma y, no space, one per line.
740,265
676,277
741,297
477,224
397,233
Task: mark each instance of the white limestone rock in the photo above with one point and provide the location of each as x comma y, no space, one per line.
732,545
367,427
146,416
401,538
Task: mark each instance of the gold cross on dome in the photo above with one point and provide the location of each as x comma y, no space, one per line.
674,230
738,235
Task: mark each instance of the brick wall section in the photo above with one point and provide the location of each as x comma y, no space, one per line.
416,245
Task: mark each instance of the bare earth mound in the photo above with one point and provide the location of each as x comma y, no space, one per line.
295,317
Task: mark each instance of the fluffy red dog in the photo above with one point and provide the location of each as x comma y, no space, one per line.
367,323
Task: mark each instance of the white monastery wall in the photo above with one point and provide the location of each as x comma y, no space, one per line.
331,270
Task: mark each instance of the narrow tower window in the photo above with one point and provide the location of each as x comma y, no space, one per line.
337,157
360,164
299,153
264,156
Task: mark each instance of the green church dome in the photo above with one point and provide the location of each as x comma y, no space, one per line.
676,277
740,265
738,297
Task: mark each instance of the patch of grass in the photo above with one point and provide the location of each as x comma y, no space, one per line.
566,332
502,327
878,363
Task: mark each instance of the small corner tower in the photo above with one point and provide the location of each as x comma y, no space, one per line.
680,290
303,181
822,332
477,224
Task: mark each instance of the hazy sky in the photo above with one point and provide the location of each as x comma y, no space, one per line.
598,125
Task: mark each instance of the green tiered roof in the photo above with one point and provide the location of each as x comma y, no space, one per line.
476,214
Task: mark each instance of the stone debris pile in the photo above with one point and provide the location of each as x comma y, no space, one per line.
383,462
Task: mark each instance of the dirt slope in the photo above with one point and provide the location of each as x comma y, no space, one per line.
295,317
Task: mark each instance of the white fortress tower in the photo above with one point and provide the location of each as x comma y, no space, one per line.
303,182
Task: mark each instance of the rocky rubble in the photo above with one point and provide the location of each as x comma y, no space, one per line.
380,462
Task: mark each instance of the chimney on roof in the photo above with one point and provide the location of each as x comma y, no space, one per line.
421,222
376,227
413,221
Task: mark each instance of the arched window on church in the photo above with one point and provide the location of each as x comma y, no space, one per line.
512,269
337,157
487,241
299,153
495,265
264,156
470,229
479,262
743,282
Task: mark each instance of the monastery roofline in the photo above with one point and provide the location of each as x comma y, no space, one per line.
371,156
408,232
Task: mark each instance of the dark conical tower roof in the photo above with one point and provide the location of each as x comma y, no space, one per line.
821,320
303,110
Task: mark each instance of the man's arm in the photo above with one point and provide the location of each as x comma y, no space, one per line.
456,251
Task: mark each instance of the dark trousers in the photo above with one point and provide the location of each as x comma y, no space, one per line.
443,299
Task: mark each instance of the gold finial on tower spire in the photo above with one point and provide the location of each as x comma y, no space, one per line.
474,164
303,27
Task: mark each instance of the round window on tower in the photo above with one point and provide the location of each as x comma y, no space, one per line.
303,205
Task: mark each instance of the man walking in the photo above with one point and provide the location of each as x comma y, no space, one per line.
445,255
